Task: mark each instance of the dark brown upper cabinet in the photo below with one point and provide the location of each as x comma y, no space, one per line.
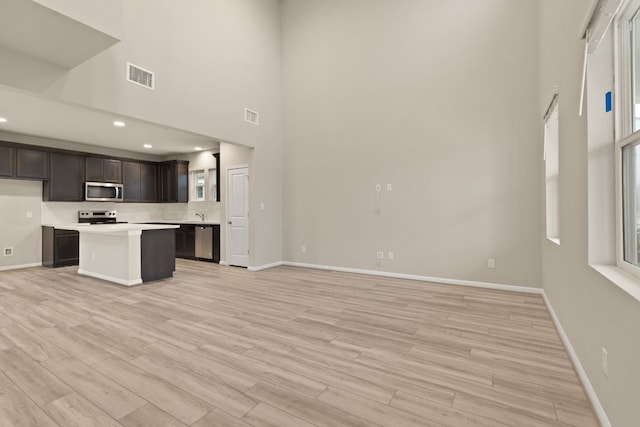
66,179
103,170
217,157
7,161
131,181
32,164
173,181
148,182
139,180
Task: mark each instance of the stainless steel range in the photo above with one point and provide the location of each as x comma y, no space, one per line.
98,217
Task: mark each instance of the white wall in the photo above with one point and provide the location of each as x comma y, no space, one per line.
212,59
23,234
438,99
594,312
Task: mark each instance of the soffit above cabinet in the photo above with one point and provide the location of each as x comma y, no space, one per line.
50,35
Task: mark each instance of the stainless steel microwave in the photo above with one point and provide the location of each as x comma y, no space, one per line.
102,192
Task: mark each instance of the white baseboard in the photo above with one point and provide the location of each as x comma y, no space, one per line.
514,288
264,267
222,262
18,267
116,280
582,374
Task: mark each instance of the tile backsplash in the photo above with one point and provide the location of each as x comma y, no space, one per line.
56,213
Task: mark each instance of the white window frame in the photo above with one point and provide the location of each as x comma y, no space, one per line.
624,105
623,75
194,181
552,165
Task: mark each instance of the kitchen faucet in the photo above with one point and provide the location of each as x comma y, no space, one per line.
201,215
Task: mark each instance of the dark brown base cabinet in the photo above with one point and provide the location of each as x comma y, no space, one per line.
186,242
157,255
60,248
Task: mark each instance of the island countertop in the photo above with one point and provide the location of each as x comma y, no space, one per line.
186,222
117,229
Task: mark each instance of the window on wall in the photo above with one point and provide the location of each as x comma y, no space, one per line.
634,72
203,185
631,201
552,169
198,185
627,148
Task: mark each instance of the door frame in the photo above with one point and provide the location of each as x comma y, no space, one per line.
226,225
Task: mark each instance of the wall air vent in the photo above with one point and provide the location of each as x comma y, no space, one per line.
140,76
251,116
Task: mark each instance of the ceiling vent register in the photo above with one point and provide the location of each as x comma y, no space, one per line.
251,116
140,76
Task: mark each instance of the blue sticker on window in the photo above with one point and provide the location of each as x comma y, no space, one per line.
608,104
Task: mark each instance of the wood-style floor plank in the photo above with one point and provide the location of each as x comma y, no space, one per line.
17,410
219,418
39,384
110,396
267,416
73,410
171,399
223,346
150,415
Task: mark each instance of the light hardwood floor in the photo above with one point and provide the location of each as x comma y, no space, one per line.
222,346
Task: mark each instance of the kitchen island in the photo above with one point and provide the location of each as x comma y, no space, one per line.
127,254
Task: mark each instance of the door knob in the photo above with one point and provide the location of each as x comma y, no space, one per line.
229,222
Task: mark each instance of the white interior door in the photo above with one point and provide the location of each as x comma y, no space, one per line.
238,217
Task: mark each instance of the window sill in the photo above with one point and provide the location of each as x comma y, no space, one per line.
554,240
621,278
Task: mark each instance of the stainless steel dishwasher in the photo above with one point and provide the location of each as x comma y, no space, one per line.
204,242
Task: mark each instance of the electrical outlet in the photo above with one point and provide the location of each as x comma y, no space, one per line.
8,251
378,187
491,263
389,187
262,206
380,255
605,361
303,249
93,256
390,255
29,214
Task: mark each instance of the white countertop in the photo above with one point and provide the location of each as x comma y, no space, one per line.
188,222
114,228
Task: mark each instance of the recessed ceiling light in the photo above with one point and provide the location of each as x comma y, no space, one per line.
119,124
3,120
197,148
148,146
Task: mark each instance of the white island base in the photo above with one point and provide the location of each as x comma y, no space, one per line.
127,254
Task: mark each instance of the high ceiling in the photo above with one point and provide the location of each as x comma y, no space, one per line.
39,42
33,115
